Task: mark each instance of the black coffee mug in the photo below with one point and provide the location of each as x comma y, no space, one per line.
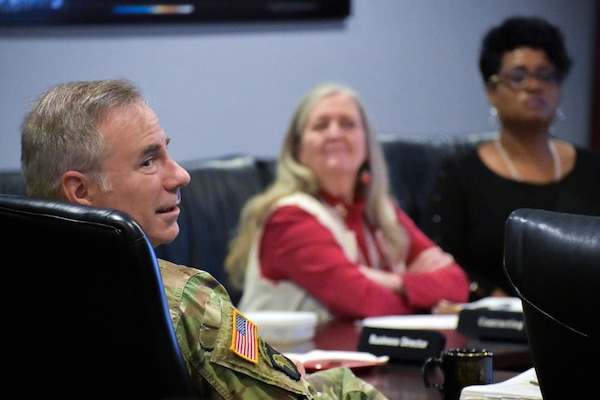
459,368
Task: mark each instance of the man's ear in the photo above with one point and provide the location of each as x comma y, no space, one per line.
76,187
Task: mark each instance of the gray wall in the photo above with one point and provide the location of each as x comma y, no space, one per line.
231,88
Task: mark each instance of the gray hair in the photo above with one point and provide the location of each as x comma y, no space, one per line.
60,133
292,177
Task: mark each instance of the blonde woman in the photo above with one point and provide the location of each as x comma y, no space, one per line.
326,236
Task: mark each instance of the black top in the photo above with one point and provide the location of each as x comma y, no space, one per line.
470,204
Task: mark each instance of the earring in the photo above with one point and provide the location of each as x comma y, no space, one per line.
493,118
560,115
365,177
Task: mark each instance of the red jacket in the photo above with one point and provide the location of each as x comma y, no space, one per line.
296,247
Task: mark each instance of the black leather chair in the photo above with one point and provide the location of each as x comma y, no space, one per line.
553,262
86,314
413,163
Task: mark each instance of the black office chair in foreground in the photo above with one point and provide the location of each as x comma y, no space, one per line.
85,314
553,262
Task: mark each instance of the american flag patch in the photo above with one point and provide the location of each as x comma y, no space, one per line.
244,341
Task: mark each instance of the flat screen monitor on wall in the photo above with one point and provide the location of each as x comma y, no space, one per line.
56,12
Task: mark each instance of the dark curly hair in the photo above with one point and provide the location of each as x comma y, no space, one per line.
522,31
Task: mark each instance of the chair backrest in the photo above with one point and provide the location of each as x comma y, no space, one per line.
86,313
552,260
210,209
413,163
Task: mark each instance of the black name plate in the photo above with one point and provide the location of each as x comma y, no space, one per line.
402,344
485,323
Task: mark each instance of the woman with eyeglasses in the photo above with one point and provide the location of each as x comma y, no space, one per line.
523,62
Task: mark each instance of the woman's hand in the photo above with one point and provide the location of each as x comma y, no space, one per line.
430,260
387,279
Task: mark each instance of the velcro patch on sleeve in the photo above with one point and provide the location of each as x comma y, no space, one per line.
279,361
244,341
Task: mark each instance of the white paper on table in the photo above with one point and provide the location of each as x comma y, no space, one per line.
337,354
496,304
521,387
442,321
421,321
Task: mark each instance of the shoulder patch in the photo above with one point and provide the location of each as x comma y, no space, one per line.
244,341
279,361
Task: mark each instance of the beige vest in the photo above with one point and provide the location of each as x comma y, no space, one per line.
263,294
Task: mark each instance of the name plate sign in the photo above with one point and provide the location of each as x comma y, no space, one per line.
485,323
414,345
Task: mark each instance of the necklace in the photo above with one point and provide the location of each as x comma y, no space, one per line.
511,167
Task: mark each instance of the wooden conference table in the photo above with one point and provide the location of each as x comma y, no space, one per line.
404,380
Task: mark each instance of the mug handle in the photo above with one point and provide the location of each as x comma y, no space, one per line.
428,367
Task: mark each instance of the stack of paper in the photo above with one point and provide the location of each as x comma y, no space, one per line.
421,321
522,387
497,304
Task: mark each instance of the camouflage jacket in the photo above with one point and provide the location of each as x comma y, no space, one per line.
205,326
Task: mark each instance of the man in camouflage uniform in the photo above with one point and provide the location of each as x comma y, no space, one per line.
208,330
99,144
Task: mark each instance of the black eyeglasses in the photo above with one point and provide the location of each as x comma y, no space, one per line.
519,78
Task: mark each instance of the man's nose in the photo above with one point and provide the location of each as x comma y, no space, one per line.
180,176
